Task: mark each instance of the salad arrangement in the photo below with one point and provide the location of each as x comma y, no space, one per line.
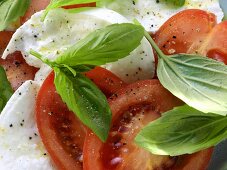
123,124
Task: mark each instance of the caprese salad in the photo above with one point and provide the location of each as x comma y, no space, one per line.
111,84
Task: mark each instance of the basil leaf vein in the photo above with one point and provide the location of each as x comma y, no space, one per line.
183,130
6,90
104,45
83,97
199,81
80,94
11,10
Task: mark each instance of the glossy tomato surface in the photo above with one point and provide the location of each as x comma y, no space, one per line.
105,80
17,70
61,132
35,6
133,107
184,31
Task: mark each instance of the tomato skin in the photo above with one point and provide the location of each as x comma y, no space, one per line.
92,4
178,36
148,92
215,44
197,161
17,70
105,80
4,40
35,6
60,130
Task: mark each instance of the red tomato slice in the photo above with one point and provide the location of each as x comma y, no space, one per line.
17,70
61,132
105,80
133,107
35,6
215,45
185,30
92,4
4,40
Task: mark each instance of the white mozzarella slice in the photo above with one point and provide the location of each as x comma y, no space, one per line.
62,29
20,145
153,13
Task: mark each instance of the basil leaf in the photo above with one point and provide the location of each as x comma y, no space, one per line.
103,45
183,130
198,81
11,10
60,3
178,3
6,90
83,97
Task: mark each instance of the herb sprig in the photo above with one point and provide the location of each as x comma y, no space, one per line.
79,93
202,84
11,10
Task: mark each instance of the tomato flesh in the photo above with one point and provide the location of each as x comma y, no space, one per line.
17,70
35,6
105,80
132,107
61,131
215,44
184,31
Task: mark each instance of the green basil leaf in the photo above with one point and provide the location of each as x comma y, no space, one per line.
6,90
103,45
200,82
83,97
11,10
183,130
60,3
178,3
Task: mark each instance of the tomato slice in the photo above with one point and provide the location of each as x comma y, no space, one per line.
17,70
4,40
61,132
133,107
184,31
215,45
35,6
105,80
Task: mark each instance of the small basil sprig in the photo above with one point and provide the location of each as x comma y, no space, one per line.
6,90
79,93
182,130
60,3
199,81
84,99
103,46
11,10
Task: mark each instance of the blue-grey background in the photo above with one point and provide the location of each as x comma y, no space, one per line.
219,158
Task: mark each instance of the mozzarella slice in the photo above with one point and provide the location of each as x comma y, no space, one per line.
20,145
62,29
153,13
